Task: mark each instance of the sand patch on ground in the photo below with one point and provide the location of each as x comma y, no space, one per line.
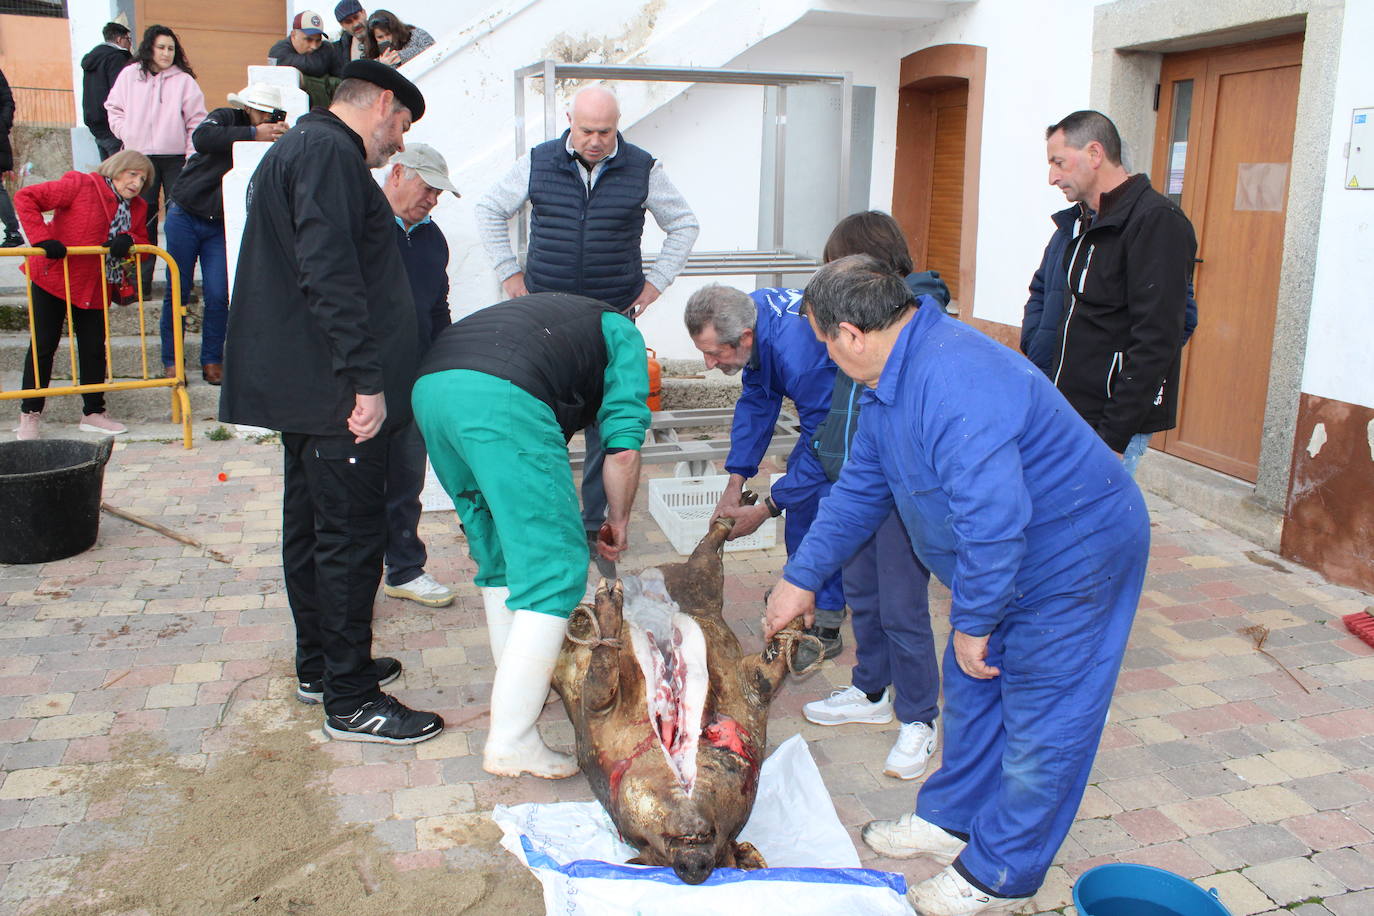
255,832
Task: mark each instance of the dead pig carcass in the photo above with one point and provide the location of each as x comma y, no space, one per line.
671,719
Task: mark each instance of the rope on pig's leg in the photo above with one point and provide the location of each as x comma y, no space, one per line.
786,640
596,639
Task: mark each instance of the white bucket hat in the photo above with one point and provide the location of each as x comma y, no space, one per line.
262,96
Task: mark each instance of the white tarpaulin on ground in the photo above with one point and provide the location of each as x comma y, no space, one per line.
576,853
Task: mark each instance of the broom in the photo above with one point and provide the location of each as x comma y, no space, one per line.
1361,623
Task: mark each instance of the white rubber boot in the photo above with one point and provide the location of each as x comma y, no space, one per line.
514,746
499,618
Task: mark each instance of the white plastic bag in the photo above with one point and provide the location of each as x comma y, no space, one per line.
575,852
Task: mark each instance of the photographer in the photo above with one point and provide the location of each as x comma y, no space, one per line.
391,41
195,216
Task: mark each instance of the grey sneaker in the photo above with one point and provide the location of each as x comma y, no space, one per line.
423,589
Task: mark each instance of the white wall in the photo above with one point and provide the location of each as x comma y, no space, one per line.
1039,61
1342,318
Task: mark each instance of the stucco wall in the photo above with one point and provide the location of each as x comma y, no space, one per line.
1341,324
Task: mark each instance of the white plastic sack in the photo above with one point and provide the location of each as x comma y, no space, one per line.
575,852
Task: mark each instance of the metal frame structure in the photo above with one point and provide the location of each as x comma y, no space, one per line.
707,263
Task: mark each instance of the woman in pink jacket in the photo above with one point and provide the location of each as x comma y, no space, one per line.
154,105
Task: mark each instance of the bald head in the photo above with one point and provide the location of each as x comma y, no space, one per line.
593,120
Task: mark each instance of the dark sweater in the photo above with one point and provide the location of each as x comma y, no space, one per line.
425,253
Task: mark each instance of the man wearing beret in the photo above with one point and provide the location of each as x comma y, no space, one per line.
322,346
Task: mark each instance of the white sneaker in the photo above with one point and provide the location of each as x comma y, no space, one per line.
910,836
423,589
28,426
848,705
101,423
949,894
910,755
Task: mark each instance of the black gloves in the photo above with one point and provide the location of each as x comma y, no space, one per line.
119,245
52,248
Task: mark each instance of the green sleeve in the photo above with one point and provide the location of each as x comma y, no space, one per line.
624,415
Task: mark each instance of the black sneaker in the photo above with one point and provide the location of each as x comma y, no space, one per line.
805,655
385,721
12,240
312,692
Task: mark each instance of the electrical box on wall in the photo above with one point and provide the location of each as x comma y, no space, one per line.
1359,172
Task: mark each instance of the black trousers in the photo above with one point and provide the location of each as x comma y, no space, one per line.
166,170
49,318
333,538
405,479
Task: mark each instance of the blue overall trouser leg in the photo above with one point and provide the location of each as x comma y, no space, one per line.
1018,748
886,588
830,599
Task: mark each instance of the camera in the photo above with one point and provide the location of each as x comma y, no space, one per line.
277,116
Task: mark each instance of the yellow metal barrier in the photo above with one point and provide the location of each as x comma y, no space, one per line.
181,402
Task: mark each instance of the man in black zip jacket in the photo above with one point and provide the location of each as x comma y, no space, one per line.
1128,267
322,346
195,217
99,69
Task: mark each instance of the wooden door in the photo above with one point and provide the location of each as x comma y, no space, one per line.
945,222
1223,151
221,39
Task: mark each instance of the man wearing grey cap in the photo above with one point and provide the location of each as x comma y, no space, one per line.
321,346
416,178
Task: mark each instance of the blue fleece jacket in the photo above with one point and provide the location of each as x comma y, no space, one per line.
787,362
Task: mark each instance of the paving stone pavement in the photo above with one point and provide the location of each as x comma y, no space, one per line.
1248,772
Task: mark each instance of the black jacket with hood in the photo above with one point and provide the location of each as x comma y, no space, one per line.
99,69
198,188
1122,333
321,309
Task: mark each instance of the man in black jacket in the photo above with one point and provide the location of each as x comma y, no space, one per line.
100,67
413,184
318,60
321,346
352,41
1128,270
195,217
7,215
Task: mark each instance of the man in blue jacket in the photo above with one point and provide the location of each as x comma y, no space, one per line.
764,335
1028,517
418,175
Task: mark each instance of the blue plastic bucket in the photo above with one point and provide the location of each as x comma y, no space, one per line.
1124,889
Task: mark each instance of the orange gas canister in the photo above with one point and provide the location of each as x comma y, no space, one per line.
655,399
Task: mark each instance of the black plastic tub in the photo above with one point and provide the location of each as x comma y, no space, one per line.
50,497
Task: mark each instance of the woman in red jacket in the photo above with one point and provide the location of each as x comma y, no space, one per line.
99,208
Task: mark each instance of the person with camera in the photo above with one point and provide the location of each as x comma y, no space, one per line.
195,217
391,41
97,208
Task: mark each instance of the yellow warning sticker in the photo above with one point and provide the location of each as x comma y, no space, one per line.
1354,182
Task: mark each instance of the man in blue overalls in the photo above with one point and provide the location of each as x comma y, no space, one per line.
763,334
1021,509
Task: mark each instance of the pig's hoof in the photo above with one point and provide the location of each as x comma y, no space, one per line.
748,858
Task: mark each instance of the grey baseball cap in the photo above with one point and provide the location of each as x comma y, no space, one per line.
426,160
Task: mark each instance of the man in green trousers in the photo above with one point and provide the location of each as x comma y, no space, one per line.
498,396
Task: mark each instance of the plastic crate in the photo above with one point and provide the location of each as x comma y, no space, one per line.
682,507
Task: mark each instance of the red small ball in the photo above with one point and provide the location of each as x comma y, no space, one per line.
223,476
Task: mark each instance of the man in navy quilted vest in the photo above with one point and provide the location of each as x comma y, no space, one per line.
588,191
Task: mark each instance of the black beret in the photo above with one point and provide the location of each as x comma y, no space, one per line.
379,74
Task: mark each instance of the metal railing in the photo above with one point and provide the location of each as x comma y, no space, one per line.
181,401
37,107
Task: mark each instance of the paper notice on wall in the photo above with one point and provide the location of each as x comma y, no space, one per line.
432,497
1261,185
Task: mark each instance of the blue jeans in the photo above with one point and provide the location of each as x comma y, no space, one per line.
190,238
1135,450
